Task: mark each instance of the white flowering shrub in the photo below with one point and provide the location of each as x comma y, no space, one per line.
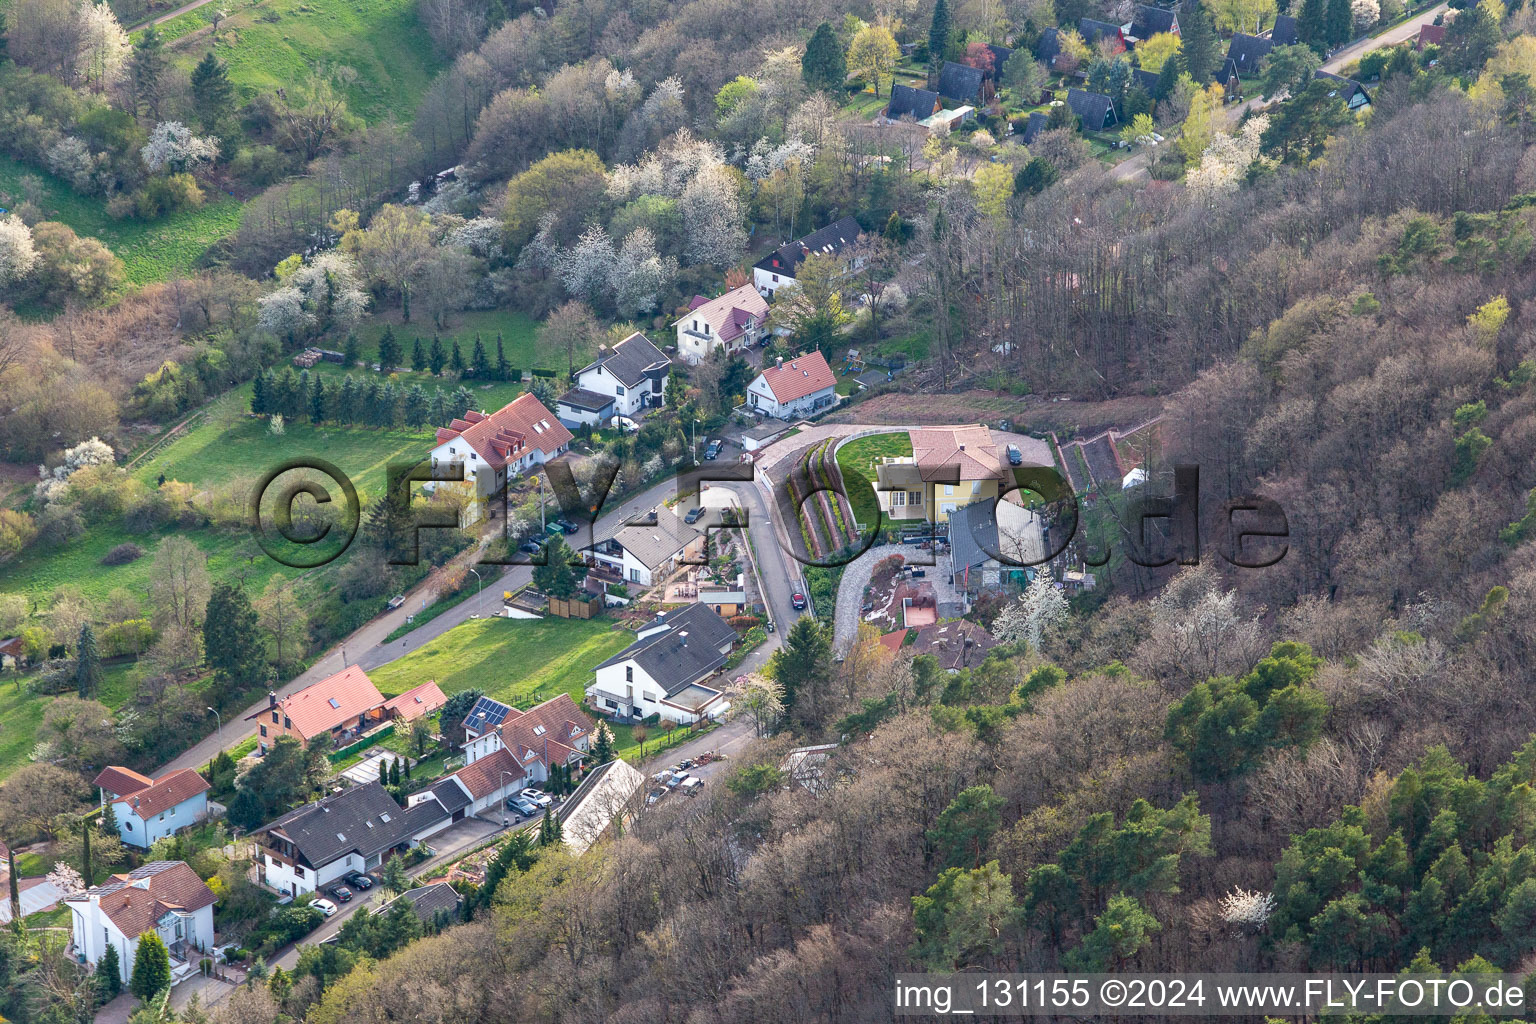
173,147
1247,909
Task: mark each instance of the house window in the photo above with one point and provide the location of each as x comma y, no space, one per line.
898,499
949,488
775,278
975,486
914,497
634,575
453,451
274,718
263,731
618,390
127,824
611,703
287,722
629,673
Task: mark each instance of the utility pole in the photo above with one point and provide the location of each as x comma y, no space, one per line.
543,526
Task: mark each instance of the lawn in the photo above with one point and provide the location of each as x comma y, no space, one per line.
275,44
150,250
517,332
520,662
861,456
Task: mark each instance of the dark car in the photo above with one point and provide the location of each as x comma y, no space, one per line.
713,451
693,515
798,600
340,893
530,547
360,881
566,525
1015,457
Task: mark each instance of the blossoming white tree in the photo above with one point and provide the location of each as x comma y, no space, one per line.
1247,909
1039,610
640,274
104,47
17,255
173,147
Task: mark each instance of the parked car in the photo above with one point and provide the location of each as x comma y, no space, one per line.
798,600
530,547
691,786
566,525
1015,457
325,907
341,893
537,796
677,779
522,805
693,515
713,451
358,880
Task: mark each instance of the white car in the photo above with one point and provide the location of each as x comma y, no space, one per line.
325,907
537,796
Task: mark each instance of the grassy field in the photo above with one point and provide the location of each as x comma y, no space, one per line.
150,251
517,331
859,456
278,43
516,661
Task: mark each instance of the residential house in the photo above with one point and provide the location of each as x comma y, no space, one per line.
1150,21
777,269
907,101
1000,55
632,376
726,601
1247,52
1347,89
10,653
495,448
603,805
436,905
663,671
1092,31
949,468
1096,110
733,321
149,809
806,767
1430,35
417,702
1227,77
163,896
1038,122
578,407
986,559
957,644
1049,47
794,389
643,554
1146,80
960,83
356,829
1285,32
556,732
946,120
345,705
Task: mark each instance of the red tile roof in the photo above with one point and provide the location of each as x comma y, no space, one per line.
135,901
506,434
801,376
483,776
729,313
1431,35
121,781
164,793
970,447
321,707
416,702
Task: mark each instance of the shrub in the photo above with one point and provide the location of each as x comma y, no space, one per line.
123,554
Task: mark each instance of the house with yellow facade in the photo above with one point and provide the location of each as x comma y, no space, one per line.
949,468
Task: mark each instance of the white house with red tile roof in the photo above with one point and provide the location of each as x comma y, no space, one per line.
734,321
150,809
796,388
345,705
497,447
163,896
554,732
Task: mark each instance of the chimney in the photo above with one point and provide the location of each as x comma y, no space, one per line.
779,362
271,698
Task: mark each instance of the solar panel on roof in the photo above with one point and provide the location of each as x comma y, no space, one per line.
494,712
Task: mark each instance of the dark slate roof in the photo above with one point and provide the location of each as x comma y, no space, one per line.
829,240
363,819
909,102
451,795
1091,30
431,902
972,531
1049,45
1285,32
1227,72
1094,108
688,648
960,82
1038,119
1152,20
581,398
1248,51
1347,87
1146,79
632,360
1000,55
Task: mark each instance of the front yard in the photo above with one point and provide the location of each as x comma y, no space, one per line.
859,458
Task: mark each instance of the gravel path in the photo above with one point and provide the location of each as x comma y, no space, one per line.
850,592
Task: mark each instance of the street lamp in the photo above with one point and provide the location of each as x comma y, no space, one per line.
220,720
695,449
